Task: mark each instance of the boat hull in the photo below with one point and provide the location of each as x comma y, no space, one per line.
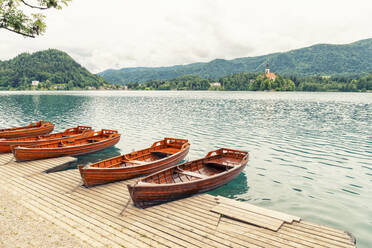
97,176
27,131
27,153
6,145
146,195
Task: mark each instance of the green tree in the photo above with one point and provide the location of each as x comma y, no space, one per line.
15,18
70,85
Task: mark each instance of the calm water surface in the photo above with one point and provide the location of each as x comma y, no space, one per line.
310,153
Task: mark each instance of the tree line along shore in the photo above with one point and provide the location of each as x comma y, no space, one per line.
236,82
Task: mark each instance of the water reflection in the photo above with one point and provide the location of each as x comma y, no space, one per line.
64,111
234,189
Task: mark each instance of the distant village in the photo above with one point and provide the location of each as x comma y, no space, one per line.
267,74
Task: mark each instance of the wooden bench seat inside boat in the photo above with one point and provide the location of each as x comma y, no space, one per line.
168,151
226,162
94,140
138,162
192,174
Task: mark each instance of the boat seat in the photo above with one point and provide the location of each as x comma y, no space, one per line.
168,150
221,162
137,162
192,174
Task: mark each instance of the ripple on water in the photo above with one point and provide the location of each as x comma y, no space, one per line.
350,191
335,165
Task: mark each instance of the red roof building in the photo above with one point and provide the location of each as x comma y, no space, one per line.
268,74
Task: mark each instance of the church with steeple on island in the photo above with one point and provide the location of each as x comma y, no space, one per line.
268,74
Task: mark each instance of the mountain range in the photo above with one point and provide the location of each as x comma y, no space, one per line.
321,59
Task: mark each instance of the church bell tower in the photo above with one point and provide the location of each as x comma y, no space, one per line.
267,70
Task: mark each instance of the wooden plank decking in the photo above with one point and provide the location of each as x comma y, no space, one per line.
95,216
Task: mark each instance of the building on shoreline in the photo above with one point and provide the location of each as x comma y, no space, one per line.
215,84
268,74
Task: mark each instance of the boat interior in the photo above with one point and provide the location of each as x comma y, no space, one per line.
159,150
224,160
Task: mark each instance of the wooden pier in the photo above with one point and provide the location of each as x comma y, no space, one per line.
95,214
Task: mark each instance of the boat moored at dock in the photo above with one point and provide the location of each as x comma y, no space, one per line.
99,140
33,129
76,132
216,169
161,155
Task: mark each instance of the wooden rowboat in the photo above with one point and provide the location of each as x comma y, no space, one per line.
76,132
162,154
33,129
217,168
99,140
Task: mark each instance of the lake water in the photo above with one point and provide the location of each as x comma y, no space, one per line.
310,153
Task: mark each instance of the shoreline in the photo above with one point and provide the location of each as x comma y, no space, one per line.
120,90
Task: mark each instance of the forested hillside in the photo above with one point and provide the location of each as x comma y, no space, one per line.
53,68
259,82
322,59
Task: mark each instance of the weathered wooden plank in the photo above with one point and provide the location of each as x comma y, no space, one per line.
261,231
79,215
249,217
342,237
166,224
258,210
116,211
35,207
52,215
122,202
183,223
321,227
318,237
31,167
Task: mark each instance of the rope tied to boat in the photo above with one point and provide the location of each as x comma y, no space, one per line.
81,183
130,198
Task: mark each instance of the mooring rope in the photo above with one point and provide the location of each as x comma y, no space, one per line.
220,215
126,205
130,198
81,183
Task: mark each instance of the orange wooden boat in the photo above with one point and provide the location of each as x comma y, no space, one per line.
76,132
162,154
33,129
99,140
216,169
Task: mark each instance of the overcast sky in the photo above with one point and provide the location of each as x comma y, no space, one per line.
122,33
